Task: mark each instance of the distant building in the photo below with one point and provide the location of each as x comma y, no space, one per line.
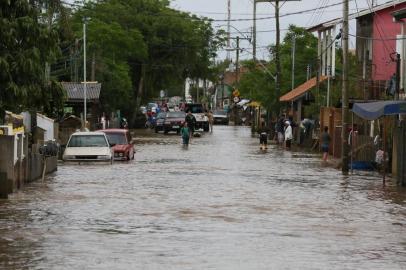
75,100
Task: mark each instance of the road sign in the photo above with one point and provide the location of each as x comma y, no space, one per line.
162,93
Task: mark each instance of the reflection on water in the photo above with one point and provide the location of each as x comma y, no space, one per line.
220,204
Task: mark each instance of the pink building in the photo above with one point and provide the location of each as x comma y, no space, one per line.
378,40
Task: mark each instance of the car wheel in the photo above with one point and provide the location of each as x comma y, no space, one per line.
133,156
156,130
206,128
166,132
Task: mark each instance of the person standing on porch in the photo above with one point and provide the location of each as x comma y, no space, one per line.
288,135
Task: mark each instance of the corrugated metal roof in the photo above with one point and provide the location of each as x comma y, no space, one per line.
75,91
301,89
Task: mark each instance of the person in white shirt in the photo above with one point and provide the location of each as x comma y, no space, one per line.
288,134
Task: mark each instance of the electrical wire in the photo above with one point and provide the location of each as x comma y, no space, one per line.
232,20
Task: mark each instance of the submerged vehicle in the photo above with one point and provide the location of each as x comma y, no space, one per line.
88,146
202,122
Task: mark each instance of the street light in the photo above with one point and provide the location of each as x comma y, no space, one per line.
84,73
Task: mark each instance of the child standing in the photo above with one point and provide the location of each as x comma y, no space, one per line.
185,133
263,137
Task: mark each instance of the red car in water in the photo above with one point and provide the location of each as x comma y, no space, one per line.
121,142
174,121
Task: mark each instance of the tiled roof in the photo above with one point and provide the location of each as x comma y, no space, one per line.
301,89
75,91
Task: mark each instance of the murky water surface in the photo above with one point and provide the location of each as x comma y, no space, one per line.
221,204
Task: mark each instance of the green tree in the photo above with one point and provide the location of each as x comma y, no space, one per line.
142,47
258,84
25,46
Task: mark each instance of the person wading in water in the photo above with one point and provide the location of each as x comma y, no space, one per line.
325,143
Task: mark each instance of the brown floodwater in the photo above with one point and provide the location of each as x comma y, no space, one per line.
220,204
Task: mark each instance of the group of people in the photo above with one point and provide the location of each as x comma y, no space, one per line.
189,126
284,136
283,131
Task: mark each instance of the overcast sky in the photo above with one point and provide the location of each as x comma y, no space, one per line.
243,9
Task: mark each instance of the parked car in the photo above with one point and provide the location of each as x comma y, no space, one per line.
123,146
202,122
220,117
160,119
88,146
174,121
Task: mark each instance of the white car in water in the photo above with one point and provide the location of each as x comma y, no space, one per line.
88,146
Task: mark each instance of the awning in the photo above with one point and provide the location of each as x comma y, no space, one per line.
301,89
374,110
243,102
254,104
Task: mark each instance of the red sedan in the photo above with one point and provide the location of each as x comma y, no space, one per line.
121,142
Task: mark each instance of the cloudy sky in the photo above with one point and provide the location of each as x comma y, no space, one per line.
243,9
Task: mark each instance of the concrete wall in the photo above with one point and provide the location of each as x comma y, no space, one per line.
7,163
18,164
46,124
36,164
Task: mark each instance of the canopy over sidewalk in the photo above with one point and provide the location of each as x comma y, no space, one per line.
301,90
374,110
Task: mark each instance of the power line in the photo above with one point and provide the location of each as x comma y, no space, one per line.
225,20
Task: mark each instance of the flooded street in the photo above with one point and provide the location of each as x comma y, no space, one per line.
221,204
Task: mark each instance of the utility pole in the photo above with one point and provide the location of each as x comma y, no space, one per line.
277,56
328,85
228,27
254,32
397,77
76,76
293,60
84,74
344,94
237,61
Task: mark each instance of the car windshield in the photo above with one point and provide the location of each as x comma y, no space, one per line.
176,115
161,115
220,112
88,141
116,138
195,108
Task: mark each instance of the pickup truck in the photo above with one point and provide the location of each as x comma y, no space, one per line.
202,122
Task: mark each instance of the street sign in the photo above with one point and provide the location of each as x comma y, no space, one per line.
162,93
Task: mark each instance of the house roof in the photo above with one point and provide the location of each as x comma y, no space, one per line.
301,89
361,13
75,91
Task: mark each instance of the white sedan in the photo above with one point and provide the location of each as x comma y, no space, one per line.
88,146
